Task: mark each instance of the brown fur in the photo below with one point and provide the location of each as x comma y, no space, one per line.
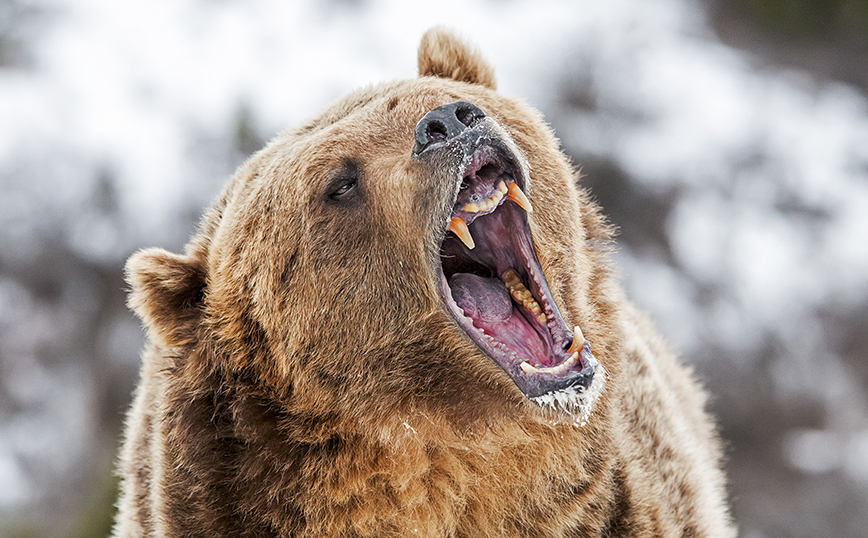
305,379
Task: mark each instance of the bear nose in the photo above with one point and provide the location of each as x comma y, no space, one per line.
444,123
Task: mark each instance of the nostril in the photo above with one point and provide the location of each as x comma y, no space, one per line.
444,123
468,116
436,132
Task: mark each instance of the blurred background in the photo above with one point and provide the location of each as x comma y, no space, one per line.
728,139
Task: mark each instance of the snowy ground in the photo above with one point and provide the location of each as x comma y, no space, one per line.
742,194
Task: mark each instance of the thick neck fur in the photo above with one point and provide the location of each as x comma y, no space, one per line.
231,448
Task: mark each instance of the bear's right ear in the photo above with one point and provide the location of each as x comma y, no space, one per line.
167,293
442,54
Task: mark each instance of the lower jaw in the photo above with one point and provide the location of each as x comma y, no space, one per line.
506,314
545,376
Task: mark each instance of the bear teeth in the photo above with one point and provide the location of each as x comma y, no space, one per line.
459,228
491,202
578,340
517,196
523,295
528,368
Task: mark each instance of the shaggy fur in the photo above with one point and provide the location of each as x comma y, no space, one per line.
303,377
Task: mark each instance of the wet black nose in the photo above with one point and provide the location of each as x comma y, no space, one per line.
444,123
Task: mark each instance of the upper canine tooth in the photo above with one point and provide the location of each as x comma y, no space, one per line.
517,196
459,228
502,187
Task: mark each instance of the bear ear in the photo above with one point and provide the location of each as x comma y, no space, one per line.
442,54
167,293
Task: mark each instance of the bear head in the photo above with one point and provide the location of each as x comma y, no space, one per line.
421,246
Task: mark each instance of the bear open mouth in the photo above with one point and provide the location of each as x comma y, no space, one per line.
494,286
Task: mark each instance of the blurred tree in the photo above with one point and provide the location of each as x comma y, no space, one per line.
17,23
806,18
828,38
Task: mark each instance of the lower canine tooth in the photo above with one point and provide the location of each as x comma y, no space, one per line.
528,368
578,340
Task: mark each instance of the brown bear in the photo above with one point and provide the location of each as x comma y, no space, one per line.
399,319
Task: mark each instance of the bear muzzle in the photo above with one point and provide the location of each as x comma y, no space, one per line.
490,278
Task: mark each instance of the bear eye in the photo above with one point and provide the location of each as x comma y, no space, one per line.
343,189
344,182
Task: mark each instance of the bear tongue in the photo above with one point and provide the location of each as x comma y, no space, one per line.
482,299
487,302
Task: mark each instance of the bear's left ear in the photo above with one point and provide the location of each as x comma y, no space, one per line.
168,294
442,54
